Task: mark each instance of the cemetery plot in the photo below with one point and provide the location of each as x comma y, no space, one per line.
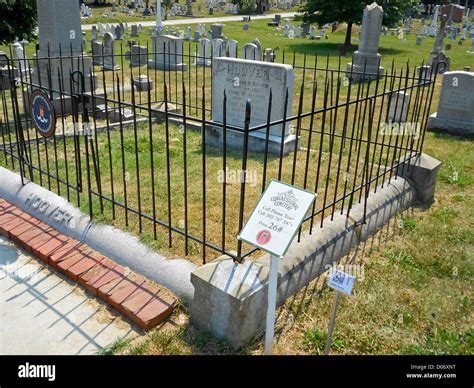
144,164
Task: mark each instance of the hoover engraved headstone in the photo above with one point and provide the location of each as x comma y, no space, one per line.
244,80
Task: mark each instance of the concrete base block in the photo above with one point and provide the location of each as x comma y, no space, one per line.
230,300
422,172
457,127
371,72
257,140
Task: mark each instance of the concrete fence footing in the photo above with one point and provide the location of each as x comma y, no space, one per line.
230,299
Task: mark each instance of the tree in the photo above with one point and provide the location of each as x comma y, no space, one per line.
18,20
351,11
166,5
246,6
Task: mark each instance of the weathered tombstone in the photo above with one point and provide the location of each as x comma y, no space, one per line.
118,32
259,53
432,29
109,53
419,40
245,27
59,25
168,53
312,32
216,30
138,56
398,107
101,29
249,51
20,58
134,31
456,104
438,59
298,32
231,48
142,83
285,30
291,32
244,80
187,34
97,53
268,55
94,34
305,29
204,53
367,59
217,48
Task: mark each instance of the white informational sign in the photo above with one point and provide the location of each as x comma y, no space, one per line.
277,217
341,281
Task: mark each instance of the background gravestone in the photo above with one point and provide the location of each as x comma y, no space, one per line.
138,56
59,26
367,56
456,104
244,80
108,60
167,53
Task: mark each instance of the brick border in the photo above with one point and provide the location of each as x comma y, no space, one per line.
143,302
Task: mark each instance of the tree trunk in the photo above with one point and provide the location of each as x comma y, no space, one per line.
347,42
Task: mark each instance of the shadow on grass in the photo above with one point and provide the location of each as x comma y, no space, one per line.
332,48
441,134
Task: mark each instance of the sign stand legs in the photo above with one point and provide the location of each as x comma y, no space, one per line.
327,349
272,289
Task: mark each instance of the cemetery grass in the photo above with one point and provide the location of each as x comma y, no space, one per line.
138,182
413,295
391,47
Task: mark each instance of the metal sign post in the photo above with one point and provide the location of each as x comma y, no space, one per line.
327,349
271,309
340,282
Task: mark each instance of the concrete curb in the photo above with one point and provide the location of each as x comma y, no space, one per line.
121,247
241,289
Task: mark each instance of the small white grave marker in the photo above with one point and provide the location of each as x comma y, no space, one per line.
340,282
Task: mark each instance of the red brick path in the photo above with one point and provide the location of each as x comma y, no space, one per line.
145,303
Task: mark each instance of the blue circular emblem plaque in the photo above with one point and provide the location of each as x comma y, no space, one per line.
42,113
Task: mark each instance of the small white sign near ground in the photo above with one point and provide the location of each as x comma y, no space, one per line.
341,281
277,217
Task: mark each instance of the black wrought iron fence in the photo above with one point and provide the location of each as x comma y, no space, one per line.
134,151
